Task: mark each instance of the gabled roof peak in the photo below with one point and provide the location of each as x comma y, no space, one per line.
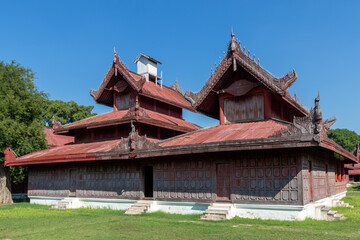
236,56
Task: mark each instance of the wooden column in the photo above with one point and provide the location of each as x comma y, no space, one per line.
114,101
221,109
267,105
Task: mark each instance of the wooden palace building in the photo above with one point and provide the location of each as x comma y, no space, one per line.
269,157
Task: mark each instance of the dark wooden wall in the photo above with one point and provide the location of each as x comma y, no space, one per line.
161,107
267,177
244,108
320,182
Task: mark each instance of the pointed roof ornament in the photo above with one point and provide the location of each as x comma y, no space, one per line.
233,48
317,99
55,124
317,110
233,45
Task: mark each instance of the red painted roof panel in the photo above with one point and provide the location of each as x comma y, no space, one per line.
101,118
226,132
165,93
113,116
72,149
171,120
57,140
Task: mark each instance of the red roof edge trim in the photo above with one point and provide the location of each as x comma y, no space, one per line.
96,93
331,145
116,67
54,159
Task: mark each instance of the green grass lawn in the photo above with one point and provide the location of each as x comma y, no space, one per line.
25,221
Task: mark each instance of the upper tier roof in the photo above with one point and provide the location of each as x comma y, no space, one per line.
237,57
133,114
119,71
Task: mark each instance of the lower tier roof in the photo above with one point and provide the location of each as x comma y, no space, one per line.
230,137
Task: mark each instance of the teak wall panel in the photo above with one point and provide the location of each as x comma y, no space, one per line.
244,108
92,180
267,177
185,178
322,183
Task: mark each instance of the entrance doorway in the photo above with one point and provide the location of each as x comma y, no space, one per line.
148,181
223,182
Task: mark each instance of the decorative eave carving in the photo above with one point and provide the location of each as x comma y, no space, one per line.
210,84
56,125
288,80
136,112
134,142
176,87
356,151
329,122
9,154
312,124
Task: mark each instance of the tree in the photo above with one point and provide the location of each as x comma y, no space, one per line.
344,137
65,112
24,111
21,105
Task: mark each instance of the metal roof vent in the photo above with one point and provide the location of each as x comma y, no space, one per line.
147,66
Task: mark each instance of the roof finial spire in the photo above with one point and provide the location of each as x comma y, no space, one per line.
233,45
115,54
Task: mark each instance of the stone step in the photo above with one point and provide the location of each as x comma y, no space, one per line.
325,209
215,211
140,205
331,212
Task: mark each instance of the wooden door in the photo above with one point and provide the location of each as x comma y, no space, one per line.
72,182
223,182
148,181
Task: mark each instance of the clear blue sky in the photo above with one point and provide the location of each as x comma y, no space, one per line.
69,44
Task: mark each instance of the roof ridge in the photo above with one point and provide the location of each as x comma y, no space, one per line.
171,117
68,124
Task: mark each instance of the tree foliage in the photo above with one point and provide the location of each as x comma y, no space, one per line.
21,108
344,137
24,111
65,112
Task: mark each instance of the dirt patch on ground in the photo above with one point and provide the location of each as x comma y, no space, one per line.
187,221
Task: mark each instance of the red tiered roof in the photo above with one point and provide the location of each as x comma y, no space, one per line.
125,116
57,140
227,132
139,84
